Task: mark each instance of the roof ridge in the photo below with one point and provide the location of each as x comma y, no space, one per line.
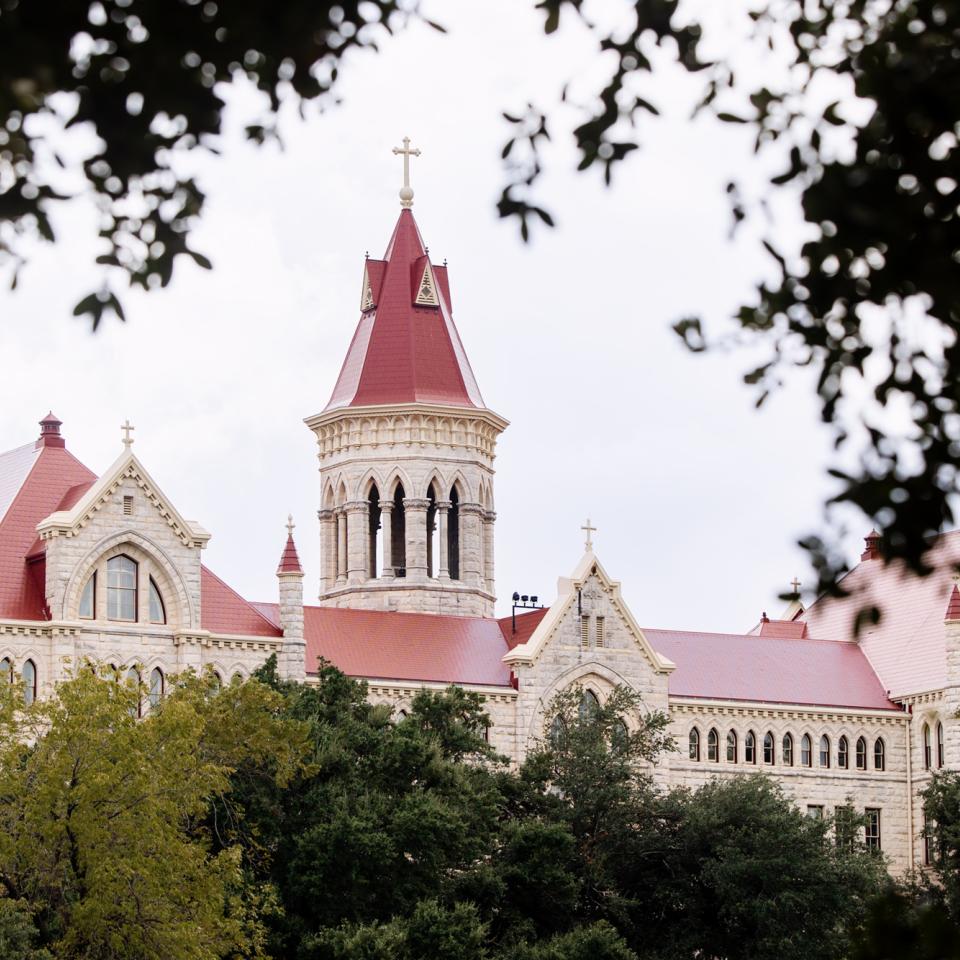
751,636
223,583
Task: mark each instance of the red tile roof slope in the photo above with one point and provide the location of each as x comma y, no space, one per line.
907,648
289,560
53,473
404,646
223,610
402,353
14,466
784,629
526,624
953,607
724,666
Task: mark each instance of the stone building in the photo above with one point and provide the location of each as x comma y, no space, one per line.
106,568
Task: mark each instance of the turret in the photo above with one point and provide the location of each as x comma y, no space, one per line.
293,655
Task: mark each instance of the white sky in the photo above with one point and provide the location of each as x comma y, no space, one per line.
698,498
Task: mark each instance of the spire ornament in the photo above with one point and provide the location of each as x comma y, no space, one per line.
127,427
589,529
406,191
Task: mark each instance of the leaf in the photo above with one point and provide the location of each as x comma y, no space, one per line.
731,118
200,259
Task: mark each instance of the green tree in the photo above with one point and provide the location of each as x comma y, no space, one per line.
102,814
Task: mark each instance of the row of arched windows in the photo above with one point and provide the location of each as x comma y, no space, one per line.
755,751
28,674
928,755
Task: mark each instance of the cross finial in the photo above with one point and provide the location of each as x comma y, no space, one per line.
588,529
290,525
406,191
795,583
127,427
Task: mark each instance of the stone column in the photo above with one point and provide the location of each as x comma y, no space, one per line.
443,564
386,525
470,544
489,518
415,512
358,532
328,550
341,547
292,662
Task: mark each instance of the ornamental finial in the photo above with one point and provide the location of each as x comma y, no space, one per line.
406,191
588,529
290,525
127,427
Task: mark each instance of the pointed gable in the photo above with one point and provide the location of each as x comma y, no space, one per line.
406,348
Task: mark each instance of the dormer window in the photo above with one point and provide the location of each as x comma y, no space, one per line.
122,588
158,613
88,599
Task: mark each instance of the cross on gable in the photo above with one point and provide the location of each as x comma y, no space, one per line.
127,427
588,529
406,191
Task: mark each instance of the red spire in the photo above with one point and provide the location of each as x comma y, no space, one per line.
289,560
406,348
50,432
953,607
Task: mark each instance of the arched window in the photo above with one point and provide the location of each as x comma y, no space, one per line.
156,687
619,736
824,751
373,515
713,746
453,535
750,747
557,732
398,534
861,753
158,612
694,743
786,754
939,744
843,753
433,545
879,754
216,682
133,678
121,588
6,670
927,749
806,751
29,676
731,746
88,599
768,747
237,678
589,705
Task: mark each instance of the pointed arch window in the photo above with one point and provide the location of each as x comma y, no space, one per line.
843,753
713,746
940,751
133,678
453,535
731,746
806,751
557,733
619,736
122,588
158,612
694,743
589,705
373,548
927,749
29,677
824,751
6,670
156,687
88,599
768,748
433,546
786,750
398,533
879,754
750,747
861,753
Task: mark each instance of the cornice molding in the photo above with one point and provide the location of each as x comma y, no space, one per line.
736,708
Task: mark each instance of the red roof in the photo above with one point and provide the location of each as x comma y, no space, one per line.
725,666
783,629
382,645
43,477
223,610
907,648
526,623
953,607
52,472
401,352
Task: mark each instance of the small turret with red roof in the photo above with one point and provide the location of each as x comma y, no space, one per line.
293,653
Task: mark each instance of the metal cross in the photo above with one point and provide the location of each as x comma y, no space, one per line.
290,525
127,429
795,583
588,530
406,192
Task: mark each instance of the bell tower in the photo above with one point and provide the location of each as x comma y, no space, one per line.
406,447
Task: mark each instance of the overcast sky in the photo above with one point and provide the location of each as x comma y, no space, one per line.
698,498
